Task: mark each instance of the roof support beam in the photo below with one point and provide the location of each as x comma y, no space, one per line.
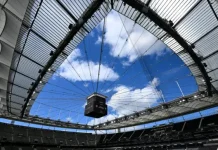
21,54
193,7
212,70
184,16
148,2
17,85
16,95
212,9
112,4
206,34
153,16
22,74
210,55
69,13
38,35
214,81
63,44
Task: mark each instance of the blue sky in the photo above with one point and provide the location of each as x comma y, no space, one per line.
136,70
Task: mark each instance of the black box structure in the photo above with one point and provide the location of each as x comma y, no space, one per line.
96,106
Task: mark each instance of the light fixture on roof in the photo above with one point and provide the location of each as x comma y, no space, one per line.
51,53
195,96
182,100
49,69
40,81
205,65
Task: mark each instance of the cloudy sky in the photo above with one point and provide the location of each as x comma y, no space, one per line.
137,71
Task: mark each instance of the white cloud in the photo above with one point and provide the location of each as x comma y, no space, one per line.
85,84
69,119
127,100
92,34
126,63
106,91
82,69
102,119
138,42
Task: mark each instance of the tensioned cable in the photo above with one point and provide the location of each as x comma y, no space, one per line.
113,62
54,111
57,107
58,74
101,52
145,96
64,88
61,98
140,60
87,59
121,103
128,92
57,110
117,94
166,71
130,102
161,82
72,83
57,93
134,62
77,73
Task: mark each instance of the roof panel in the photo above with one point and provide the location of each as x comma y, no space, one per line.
200,21
52,21
22,81
19,91
28,67
76,7
172,10
37,50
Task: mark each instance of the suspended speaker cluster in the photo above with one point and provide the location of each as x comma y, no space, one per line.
96,106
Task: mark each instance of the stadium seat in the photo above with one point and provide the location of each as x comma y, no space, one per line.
48,137
35,135
60,137
6,132
20,134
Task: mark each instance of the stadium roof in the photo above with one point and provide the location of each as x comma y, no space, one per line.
191,32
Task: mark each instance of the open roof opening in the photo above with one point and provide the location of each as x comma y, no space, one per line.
122,61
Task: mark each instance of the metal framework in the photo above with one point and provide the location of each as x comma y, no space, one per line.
26,64
153,16
84,18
